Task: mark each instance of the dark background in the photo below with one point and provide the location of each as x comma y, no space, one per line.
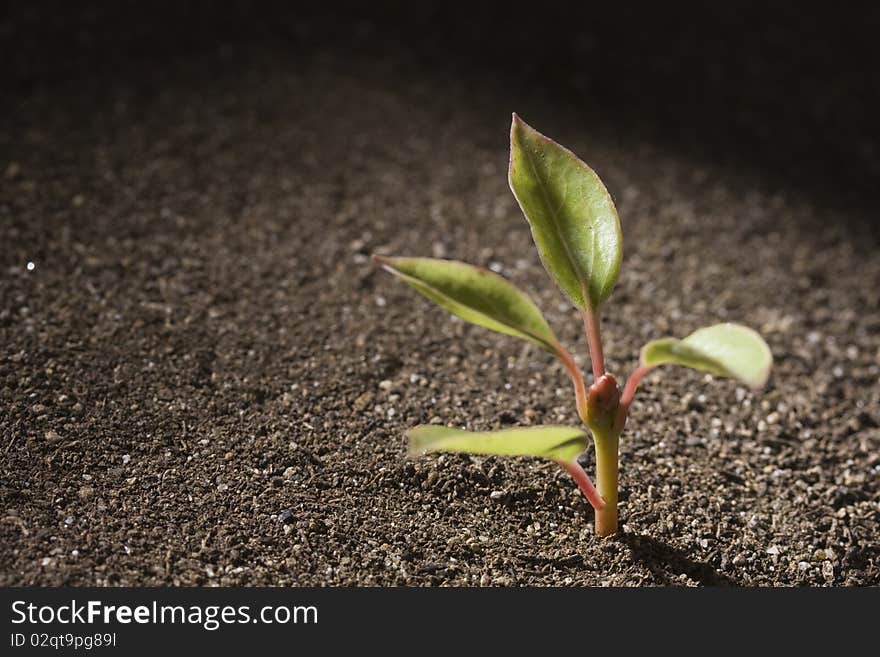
787,92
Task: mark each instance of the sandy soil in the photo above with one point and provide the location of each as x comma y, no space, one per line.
203,381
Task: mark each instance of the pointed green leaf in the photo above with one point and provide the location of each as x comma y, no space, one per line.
728,350
573,219
475,294
552,442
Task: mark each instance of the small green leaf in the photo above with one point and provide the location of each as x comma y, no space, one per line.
552,442
475,294
573,219
728,350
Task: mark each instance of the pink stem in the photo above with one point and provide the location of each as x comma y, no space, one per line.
583,481
594,340
626,397
580,390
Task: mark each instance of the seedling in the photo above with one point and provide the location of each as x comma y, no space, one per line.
575,226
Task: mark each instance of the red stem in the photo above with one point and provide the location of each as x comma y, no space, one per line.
583,481
580,390
626,397
594,340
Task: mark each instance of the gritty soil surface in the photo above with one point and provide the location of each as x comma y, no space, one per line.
204,381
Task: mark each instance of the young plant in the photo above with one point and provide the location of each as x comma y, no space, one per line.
575,226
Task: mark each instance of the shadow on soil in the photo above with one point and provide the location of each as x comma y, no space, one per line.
666,562
788,94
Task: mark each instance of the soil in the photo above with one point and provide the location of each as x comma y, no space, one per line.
204,381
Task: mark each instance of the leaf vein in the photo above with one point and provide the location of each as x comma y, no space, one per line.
555,219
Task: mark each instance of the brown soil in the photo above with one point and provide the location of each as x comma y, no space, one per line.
203,381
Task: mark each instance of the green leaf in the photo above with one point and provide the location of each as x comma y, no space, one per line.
552,442
573,219
475,294
728,350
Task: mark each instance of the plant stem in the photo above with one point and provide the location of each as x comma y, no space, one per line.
607,469
580,391
626,397
583,481
594,341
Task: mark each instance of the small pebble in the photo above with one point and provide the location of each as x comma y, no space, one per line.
363,401
828,571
